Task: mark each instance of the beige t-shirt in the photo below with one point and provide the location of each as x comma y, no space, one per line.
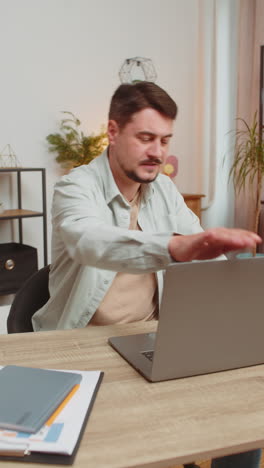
131,298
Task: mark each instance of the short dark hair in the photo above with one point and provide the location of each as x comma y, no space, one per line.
131,98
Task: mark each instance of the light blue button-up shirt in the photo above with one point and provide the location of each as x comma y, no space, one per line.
91,240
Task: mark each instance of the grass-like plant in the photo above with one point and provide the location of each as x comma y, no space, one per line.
73,148
247,170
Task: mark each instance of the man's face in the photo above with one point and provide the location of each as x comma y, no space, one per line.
138,150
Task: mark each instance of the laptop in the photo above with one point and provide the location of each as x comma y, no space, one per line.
211,319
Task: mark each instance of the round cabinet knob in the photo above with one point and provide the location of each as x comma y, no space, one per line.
9,264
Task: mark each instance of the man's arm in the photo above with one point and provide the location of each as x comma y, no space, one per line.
90,238
83,229
211,243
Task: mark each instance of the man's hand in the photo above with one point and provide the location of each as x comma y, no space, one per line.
211,243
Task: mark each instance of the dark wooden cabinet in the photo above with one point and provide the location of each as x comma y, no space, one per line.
193,201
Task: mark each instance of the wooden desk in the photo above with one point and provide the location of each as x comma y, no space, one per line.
138,424
193,201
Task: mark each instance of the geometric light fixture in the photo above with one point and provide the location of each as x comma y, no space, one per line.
137,69
8,157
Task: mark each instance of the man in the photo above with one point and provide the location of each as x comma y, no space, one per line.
115,224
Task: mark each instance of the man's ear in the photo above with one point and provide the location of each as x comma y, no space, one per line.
112,131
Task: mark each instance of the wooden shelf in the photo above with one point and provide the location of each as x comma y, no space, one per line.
20,214
13,214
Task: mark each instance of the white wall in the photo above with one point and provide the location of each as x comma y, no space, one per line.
66,54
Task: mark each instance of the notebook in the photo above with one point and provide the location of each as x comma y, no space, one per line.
58,440
211,319
30,395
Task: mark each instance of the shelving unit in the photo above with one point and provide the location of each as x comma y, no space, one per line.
21,213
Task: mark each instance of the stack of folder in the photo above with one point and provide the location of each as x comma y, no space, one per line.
31,402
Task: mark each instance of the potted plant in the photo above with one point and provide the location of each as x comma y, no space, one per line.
73,148
247,170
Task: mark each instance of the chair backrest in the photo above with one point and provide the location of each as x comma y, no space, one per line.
29,298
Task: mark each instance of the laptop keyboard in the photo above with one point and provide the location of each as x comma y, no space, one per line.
148,354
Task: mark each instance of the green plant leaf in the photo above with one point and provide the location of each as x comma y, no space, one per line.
247,169
72,146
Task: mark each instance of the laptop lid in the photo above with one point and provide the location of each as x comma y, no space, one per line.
211,319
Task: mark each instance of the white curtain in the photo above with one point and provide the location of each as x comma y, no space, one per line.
216,106
251,37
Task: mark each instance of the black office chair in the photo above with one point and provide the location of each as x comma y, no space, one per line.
29,298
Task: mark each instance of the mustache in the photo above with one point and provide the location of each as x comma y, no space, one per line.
151,161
